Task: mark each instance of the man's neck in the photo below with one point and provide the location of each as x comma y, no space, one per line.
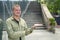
17,17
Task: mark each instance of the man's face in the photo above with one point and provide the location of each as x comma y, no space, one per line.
17,11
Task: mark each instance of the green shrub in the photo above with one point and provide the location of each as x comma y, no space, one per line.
53,6
52,21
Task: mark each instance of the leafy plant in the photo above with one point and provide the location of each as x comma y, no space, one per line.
53,6
52,21
52,24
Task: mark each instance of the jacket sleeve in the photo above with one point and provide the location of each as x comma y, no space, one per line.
11,33
27,30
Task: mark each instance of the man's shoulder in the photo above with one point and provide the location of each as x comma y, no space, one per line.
9,19
22,19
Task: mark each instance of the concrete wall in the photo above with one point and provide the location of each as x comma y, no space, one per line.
46,15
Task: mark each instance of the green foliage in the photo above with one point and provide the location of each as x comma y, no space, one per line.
52,24
42,1
58,12
53,6
50,7
52,21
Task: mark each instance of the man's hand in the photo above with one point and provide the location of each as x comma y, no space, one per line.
34,27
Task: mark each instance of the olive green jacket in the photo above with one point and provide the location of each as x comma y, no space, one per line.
15,30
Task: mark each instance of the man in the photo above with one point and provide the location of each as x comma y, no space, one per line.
1,28
16,26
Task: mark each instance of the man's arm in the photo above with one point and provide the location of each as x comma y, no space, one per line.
12,33
27,30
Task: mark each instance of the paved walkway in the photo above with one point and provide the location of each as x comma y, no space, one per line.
39,35
43,35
